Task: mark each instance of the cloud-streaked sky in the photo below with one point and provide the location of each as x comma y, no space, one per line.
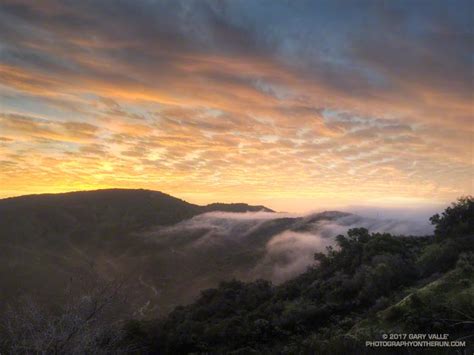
295,104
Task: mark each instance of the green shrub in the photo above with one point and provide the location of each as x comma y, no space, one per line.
456,220
466,263
438,257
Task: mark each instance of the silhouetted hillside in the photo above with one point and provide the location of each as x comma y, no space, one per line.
117,209
164,249
235,207
46,239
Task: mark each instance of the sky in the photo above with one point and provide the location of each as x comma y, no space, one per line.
292,104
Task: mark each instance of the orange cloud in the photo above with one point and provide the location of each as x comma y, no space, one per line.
208,115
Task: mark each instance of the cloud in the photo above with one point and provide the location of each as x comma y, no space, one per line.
274,99
246,216
20,126
289,254
274,246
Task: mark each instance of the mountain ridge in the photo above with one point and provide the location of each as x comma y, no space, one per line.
113,233
46,237
226,207
125,210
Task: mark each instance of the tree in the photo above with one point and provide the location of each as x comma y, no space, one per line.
456,220
89,322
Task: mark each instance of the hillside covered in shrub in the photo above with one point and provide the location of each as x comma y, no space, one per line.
370,284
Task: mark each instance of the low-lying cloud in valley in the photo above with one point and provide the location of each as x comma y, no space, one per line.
290,253
274,246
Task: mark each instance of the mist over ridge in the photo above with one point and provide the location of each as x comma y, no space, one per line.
286,242
169,249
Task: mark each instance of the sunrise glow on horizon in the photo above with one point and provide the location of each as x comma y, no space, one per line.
294,105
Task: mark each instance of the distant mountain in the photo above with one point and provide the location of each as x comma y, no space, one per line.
47,239
116,209
235,207
164,249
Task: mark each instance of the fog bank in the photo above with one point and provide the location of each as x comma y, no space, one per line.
274,246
